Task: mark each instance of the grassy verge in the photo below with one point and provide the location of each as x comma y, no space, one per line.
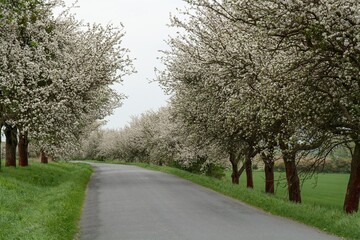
324,217
42,201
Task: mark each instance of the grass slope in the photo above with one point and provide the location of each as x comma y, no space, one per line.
317,209
42,201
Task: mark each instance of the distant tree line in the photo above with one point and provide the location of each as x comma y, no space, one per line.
155,137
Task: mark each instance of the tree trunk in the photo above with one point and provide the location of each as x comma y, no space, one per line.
269,176
235,176
10,146
292,178
43,157
23,149
249,176
351,203
268,159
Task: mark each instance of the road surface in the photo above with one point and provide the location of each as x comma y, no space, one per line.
131,203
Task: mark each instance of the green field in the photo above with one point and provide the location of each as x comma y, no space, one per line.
324,189
42,201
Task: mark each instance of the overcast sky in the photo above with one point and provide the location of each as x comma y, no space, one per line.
145,25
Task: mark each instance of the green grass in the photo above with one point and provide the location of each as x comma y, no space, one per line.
321,207
324,189
42,201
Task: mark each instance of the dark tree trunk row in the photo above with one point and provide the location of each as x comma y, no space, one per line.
292,177
12,142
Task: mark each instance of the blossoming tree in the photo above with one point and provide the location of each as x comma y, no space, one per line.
56,74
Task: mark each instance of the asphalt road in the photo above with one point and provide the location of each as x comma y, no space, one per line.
127,202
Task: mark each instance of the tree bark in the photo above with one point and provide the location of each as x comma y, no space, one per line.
268,159
235,176
23,149
10,145
269,176
351,203
43,157
248,170
292,178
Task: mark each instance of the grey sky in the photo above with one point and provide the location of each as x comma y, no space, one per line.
145,25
